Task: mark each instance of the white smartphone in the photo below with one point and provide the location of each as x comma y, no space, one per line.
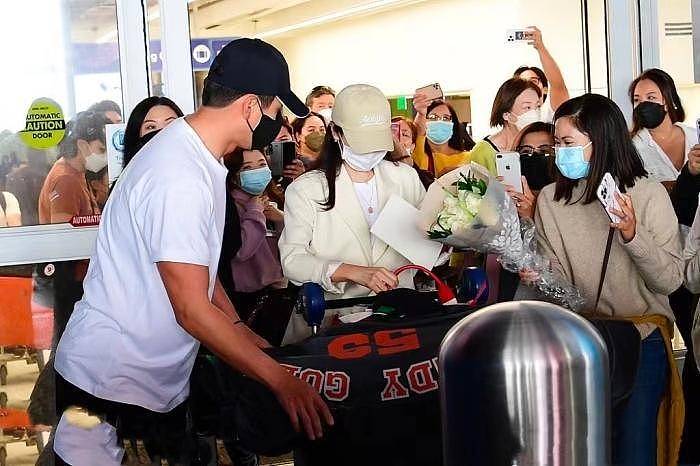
606,195
517,35
697,127
508,166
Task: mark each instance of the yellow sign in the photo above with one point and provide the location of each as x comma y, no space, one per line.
45,126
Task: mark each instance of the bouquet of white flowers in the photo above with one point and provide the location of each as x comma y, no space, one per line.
469,209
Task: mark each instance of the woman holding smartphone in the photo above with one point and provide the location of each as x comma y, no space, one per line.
442,143
645,262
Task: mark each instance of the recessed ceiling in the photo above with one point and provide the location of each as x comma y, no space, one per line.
263,17
96,20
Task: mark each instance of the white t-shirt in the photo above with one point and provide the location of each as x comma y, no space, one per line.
656,162
11,209
122,342
369,200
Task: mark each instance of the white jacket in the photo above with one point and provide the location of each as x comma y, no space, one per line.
314,240
692,277
656,162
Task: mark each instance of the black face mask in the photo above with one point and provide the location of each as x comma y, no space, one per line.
266,131
537,169
649,114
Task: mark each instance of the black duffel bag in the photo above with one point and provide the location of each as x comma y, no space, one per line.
379,378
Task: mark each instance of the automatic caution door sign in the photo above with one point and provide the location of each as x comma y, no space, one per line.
45,125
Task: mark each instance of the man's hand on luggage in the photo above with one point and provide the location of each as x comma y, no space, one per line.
304,406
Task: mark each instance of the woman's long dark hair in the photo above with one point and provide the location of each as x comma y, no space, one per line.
460,139
133,126
667,86
613,151
331,161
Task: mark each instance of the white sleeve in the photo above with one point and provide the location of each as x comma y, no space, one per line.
12,216
299,264
12,204
175,220
418,190
691,255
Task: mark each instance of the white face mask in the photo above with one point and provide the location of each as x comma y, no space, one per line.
326,114
528,118
361,162
96,162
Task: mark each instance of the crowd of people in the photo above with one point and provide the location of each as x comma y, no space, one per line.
311,223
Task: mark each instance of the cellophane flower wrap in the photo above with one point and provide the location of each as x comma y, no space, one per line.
468,208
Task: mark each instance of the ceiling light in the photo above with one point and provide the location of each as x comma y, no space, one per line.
329,17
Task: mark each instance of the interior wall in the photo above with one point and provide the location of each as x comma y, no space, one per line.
458,43
676,55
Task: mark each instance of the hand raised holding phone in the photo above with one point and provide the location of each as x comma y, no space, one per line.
525,201
627,226
694,160
425,95
619,208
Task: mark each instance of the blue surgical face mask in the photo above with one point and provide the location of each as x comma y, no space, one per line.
255,181
439,132
571,162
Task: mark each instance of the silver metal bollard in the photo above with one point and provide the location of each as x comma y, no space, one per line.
524,383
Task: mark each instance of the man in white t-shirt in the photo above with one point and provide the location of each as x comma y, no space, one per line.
151,292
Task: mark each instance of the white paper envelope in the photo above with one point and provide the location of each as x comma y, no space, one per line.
397,226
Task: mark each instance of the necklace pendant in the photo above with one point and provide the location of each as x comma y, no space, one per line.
370,210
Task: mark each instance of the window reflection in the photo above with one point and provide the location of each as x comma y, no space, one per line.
74,62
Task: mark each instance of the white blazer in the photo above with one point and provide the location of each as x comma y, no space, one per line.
656,162
314,240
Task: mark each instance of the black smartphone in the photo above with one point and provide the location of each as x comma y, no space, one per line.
282,153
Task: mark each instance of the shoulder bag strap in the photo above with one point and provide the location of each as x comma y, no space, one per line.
606,259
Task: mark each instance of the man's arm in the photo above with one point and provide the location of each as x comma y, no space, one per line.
558,93
221,300
187,285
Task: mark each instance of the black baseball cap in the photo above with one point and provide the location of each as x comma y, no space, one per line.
256,67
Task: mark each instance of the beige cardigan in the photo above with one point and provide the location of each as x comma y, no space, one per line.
692,275
641,274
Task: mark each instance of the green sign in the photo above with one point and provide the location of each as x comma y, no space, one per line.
401,103
45,126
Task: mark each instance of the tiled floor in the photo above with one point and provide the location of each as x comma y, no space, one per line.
20,381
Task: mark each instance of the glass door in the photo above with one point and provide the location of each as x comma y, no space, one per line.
64,84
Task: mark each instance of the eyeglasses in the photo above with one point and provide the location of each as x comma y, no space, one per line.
435,117
546,149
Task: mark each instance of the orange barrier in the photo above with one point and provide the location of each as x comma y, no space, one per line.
42,322
16,325
14,419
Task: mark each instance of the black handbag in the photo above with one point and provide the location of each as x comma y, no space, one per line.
622,340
